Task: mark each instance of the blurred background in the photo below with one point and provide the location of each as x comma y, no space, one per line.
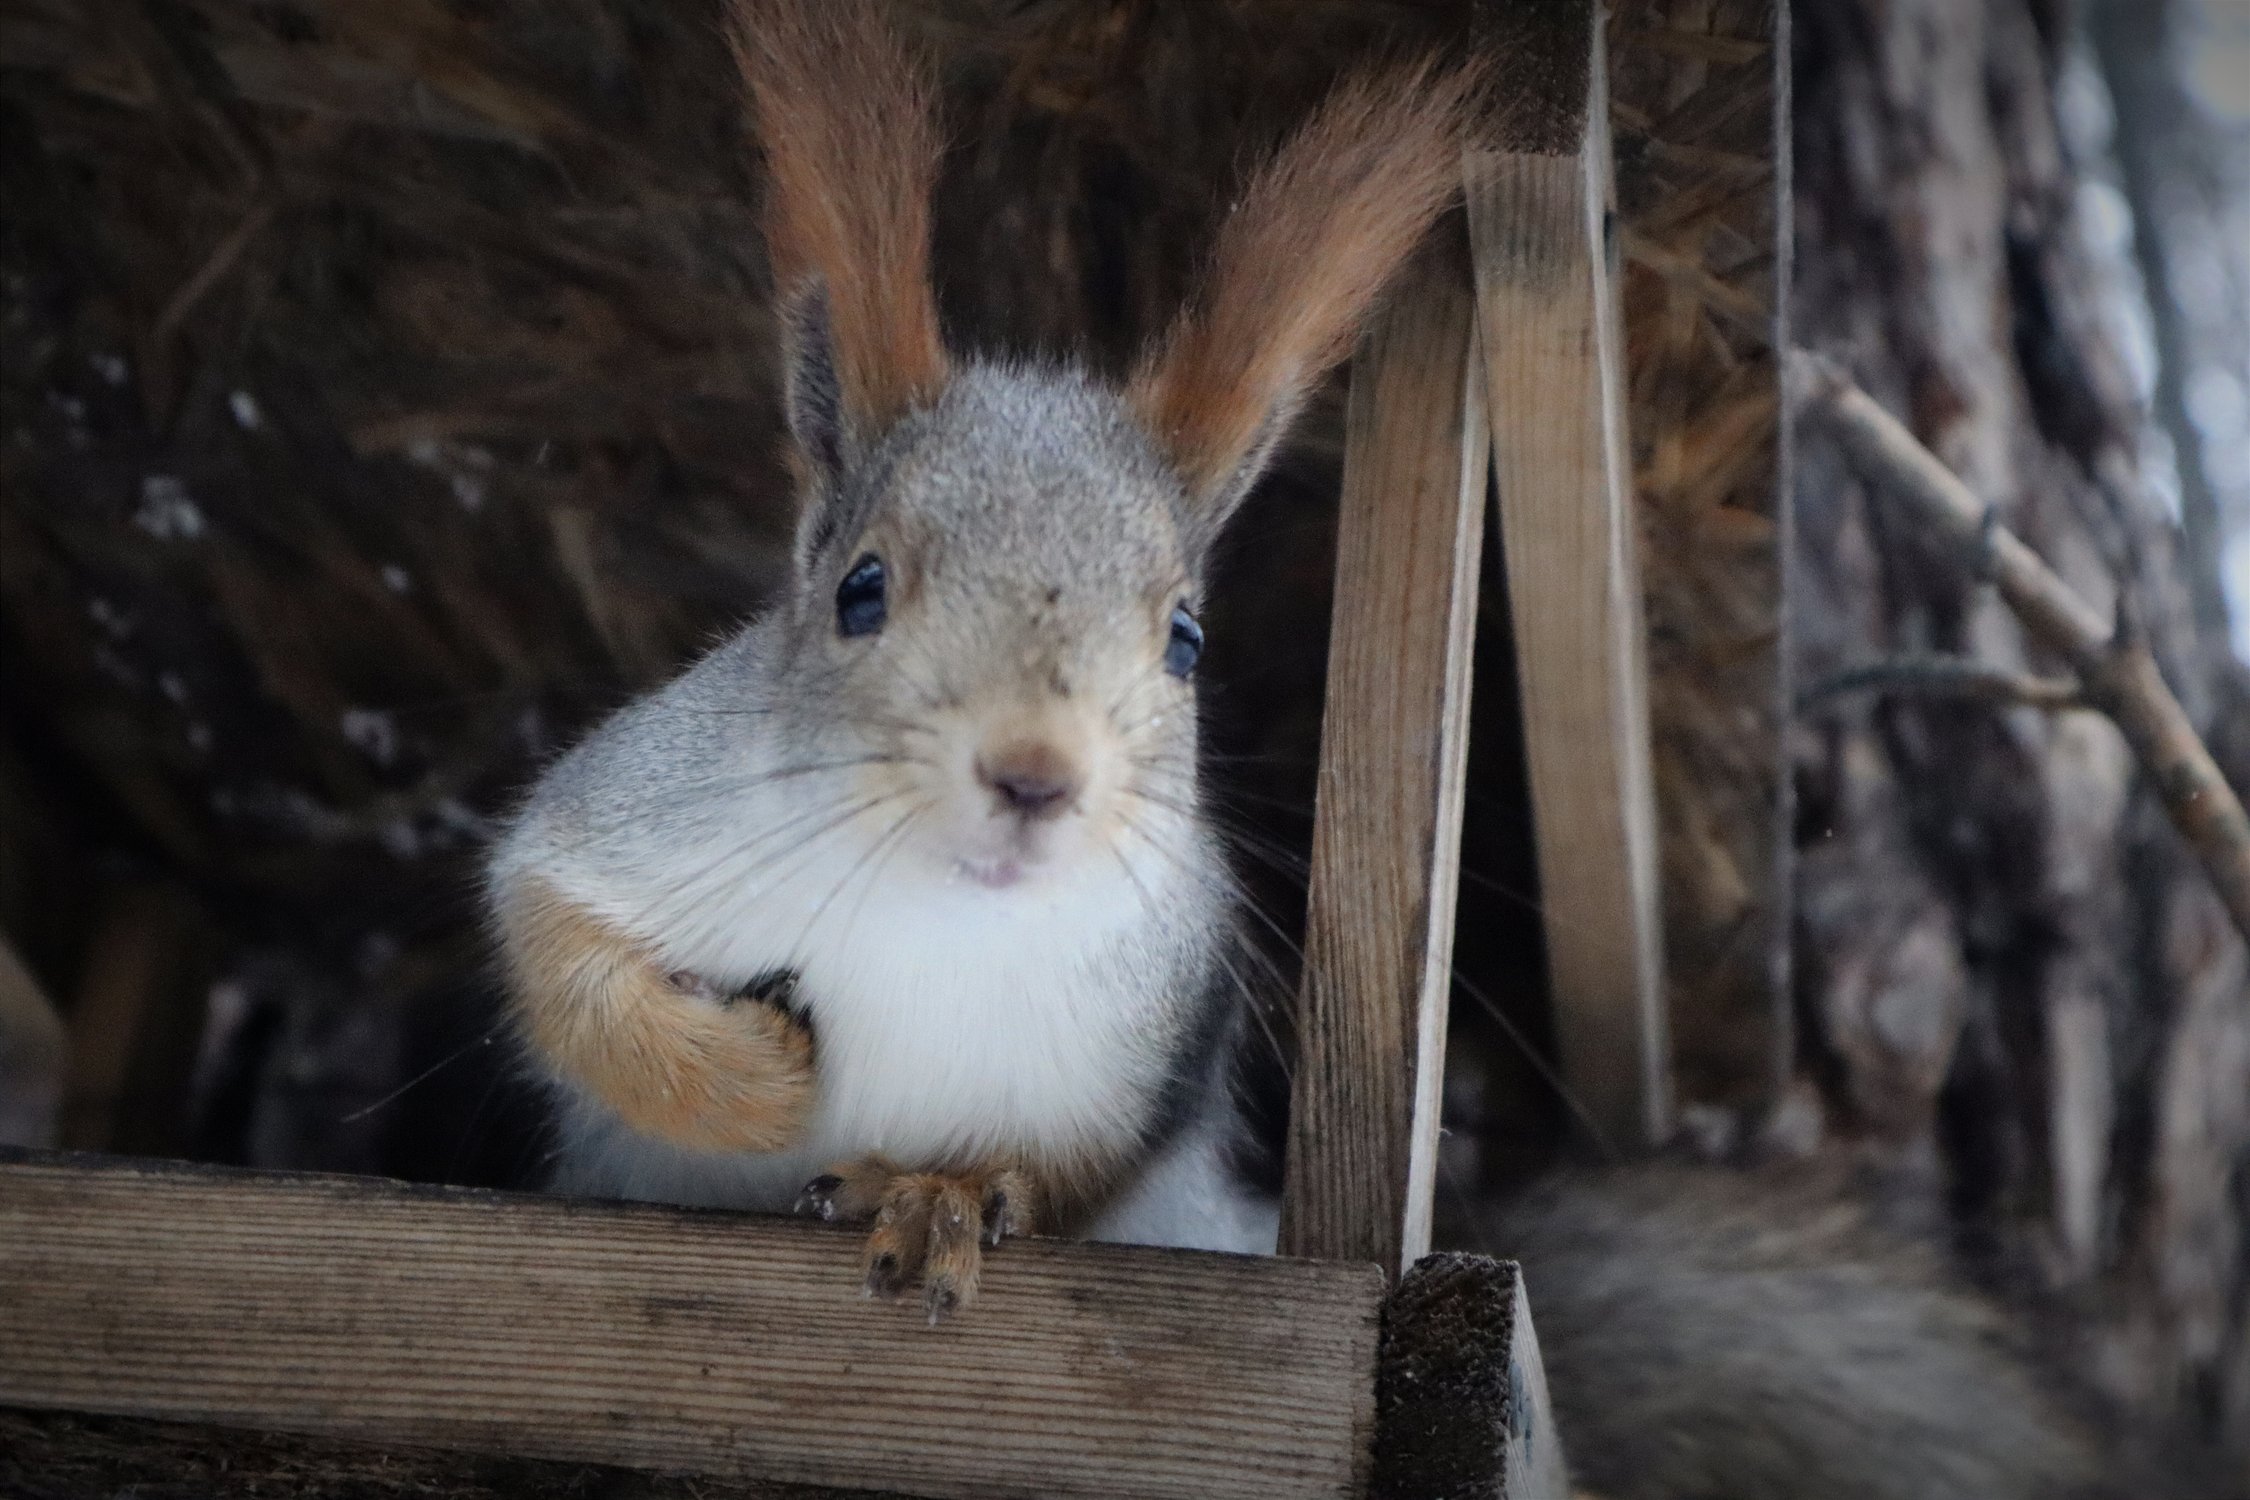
386,392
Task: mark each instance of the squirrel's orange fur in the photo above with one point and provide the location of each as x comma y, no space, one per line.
597,1009
844,119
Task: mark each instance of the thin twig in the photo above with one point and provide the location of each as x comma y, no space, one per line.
1945,676
215,266
2118,674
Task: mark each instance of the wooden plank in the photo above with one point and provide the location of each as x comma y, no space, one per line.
1461,1392
1362,1162
1547,305
1699,107
671,1339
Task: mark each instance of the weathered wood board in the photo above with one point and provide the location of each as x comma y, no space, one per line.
1387,837
1546,279
676,1340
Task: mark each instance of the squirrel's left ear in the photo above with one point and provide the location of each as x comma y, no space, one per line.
845,121
1298,262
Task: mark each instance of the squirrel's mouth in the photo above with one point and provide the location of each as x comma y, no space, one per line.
993,874
1008,858
997,852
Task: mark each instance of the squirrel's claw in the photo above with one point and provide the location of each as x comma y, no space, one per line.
919,1236
928,1228
849,1191
954,1255
818,1199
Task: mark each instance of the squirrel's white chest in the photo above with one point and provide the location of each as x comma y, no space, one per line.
923,1067
940,1034
953,1019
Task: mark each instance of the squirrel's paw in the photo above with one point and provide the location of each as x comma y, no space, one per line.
672,1055
746,1078
929,1228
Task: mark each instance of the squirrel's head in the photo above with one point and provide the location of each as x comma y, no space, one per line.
999,568
997,602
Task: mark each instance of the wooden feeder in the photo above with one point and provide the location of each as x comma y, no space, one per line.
733,1347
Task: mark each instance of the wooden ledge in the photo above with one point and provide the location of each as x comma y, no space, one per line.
685,1341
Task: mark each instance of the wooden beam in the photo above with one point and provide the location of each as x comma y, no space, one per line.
1462,1394
1554,365
1362,1163
672,1339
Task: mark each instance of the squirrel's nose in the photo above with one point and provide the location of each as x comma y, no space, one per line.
1031,780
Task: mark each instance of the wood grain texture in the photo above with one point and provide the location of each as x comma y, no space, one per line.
1461,1391
684,1341
1547,307
1698,117
1362,1162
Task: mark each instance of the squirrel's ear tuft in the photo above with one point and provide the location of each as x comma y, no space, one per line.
844,119
1299,260
810,389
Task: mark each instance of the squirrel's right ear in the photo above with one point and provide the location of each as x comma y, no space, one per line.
851,149
1301,257
812,394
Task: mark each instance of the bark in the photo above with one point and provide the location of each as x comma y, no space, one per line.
2172,164
2012,978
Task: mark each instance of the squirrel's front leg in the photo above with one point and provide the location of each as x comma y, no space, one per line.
932,1227
670,1060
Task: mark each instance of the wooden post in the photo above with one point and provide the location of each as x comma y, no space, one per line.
1362,1164
1539,218
1461,1396
674,1339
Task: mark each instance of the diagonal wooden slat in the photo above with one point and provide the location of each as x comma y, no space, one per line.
1362,1161
1546,291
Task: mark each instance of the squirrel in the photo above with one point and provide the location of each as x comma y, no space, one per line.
904,905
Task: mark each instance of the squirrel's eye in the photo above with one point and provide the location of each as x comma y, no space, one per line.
1186,646
860,609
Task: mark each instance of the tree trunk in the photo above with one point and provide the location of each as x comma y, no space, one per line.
2178,168
2011,977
